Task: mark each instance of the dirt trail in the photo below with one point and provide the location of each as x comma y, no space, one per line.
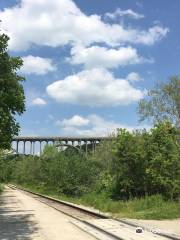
22,217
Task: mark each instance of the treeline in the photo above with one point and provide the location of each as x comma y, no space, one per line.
136,164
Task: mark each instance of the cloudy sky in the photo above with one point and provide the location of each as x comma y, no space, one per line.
88,63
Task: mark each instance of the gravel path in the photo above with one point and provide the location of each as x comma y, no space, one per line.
171,226
22,217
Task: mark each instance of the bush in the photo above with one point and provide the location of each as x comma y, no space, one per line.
147,163
71,175
104,157
163,152
6,168
130,164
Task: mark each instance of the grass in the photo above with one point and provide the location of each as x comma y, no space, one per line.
150,207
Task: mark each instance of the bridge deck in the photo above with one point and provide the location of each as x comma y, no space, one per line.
57,138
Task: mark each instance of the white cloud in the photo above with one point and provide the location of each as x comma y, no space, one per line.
38,101
96,56
37,65
95,126
96,87
153,35
133,76
60,22
121,13
75,121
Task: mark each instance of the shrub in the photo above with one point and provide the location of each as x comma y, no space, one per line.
71,175
147,163
130,164
163,152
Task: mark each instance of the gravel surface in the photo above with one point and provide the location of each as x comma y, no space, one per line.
22,217
171,226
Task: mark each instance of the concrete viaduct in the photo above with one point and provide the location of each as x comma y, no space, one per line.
20,143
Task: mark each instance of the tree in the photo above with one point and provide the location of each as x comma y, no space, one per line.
147,163
12,99
163,103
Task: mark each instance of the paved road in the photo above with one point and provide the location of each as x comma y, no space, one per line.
24,218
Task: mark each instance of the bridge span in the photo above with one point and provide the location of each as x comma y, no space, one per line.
33,144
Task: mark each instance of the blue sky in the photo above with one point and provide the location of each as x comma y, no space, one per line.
88,63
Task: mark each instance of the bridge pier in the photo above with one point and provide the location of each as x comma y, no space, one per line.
17,146
24,147
86,147
30,148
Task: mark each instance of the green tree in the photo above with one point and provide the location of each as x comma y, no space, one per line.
163,154
147,163
12,99
130,164
163,103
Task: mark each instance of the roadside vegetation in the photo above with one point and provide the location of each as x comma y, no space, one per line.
137,175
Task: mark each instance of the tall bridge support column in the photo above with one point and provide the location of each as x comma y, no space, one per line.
79,145
33,148
24,147
40,148
86,147
93,147
17,146
30,147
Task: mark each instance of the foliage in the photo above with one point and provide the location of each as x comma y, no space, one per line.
163,153
148,207
6,167
163,103
130,164
1,188
105,157
11,93
147,163
68,175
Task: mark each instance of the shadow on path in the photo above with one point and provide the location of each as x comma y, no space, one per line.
14,222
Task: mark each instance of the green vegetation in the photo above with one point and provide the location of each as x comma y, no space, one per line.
1,188
11,94
137,175
148,207
163,103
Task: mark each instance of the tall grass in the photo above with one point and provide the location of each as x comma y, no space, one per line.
149,207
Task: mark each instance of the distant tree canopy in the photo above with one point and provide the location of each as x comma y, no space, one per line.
12,99
163,103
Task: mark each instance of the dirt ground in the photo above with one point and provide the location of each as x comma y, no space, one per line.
22,217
